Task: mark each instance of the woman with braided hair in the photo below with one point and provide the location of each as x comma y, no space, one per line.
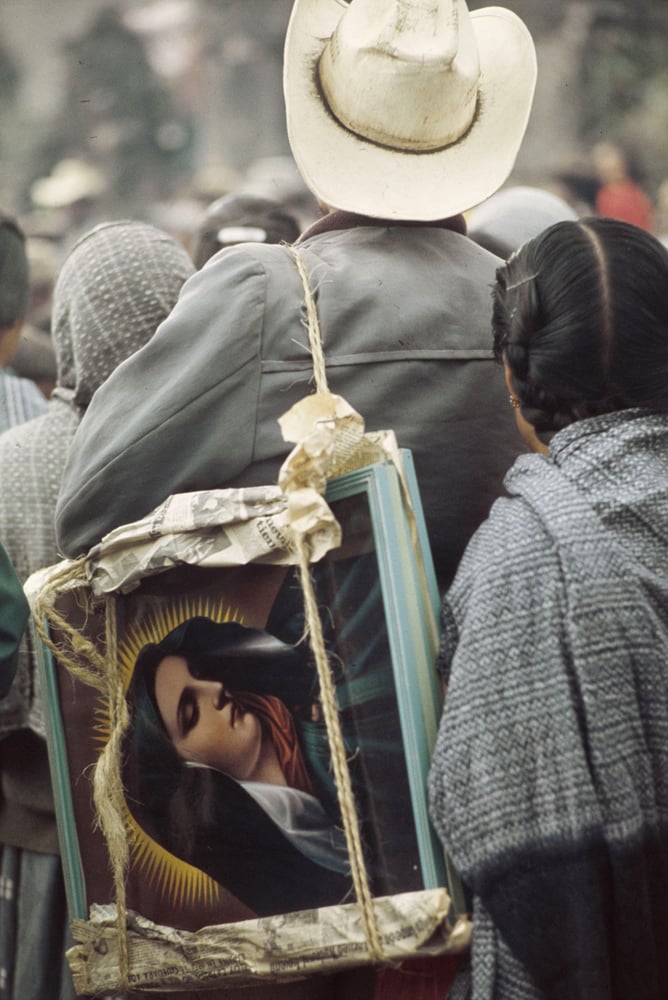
580,320
549,783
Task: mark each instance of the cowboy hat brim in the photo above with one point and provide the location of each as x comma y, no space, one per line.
348,172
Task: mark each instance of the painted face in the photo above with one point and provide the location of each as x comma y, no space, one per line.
204,723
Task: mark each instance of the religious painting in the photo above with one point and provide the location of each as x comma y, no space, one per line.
230,803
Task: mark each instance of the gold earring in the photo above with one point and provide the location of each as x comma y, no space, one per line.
514,401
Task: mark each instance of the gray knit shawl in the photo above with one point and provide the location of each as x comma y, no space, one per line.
116,286
549,784
20,400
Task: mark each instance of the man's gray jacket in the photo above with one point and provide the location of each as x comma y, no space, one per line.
405,313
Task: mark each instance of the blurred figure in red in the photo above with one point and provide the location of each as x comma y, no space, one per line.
619,195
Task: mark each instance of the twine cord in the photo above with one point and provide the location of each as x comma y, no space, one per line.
108,792
75,652
82,659
351,825
313,326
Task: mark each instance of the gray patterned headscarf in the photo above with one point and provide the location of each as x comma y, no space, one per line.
116,286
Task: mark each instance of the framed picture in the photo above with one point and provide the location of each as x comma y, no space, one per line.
230,804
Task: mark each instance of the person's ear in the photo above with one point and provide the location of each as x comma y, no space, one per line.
513,400
9,342
527,430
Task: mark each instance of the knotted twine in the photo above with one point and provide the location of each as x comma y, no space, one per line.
342,779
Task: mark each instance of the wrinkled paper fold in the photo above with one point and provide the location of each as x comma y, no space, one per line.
234,527
281,948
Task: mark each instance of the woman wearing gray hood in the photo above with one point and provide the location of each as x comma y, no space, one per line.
117,284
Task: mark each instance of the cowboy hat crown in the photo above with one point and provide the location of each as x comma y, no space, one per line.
406,77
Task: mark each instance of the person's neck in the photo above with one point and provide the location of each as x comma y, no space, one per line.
268,770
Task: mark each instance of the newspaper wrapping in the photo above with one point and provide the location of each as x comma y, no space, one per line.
282,948
234,527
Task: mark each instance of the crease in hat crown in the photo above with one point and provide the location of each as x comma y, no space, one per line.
403,74
406,109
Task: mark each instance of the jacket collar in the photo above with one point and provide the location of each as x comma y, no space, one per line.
349,220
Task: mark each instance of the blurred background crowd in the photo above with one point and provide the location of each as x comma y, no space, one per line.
154,109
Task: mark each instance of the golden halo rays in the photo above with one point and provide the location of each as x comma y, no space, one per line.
173,878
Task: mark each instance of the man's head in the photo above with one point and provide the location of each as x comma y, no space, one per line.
512,216
406,109
242,218
14,286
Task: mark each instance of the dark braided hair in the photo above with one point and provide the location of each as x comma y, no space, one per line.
581,318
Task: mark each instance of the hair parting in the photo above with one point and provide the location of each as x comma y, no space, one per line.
607,325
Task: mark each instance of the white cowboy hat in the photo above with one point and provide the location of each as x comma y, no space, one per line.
406,109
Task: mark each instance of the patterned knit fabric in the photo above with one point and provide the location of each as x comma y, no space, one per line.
20,400
115,287
549,785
